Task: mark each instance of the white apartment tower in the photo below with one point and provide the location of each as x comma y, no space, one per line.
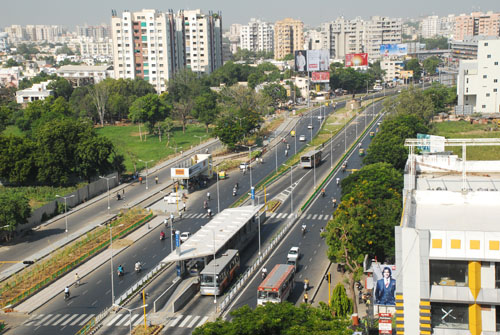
430,26
257,36
147,45
203,40
381,30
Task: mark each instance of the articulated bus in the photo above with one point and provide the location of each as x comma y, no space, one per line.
310,159
277,286
224,268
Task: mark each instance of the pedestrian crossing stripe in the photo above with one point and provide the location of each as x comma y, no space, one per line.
61,320
188,321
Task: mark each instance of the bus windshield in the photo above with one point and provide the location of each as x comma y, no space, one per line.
207,279
267,295
305,159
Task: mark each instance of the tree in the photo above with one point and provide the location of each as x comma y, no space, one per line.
288,57
441,96
100,95
276,94
11,63
376,179
229,131
61,88
283,318
149,109
92,157
341,304
414,65
165,127
14,210
21,170
205,108
435,43
5,114
411,102
431,64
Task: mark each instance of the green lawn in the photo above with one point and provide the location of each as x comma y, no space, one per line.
39,195
127,141
463,129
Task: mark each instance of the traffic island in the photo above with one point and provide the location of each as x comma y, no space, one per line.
150,330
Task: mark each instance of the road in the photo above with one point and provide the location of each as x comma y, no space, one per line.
94,295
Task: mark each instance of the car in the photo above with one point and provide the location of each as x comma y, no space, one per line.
293,261
302,138
184,236
294,253
310,126
243,166
320,117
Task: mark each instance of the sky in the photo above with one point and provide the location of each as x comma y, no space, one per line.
70,13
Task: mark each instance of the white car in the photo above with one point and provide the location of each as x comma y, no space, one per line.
184,236
243,166
302,138
294,253
310,126
320,117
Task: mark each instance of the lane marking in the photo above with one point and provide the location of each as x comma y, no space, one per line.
85,292
202,322
173,323
61,319
186,319
87,319
68,320
77,319
125,318
52,320
114,320
191,324
43,320
32,319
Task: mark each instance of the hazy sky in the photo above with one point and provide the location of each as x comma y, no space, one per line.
313,12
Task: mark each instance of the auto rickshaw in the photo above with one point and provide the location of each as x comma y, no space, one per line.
372,133
292,133
361,152
222,175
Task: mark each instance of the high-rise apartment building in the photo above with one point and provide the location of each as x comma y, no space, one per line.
147,44
203,40
288,37
96,47
102,31
381,30
476,24
430,26
16,33
257,36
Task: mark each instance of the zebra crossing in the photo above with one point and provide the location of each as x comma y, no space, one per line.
320,217
119,320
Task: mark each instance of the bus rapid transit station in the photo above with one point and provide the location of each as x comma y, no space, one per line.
194,174
233,228
277,286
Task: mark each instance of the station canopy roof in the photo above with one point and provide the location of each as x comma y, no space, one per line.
225,225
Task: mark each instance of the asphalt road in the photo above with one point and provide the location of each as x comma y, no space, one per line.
94,294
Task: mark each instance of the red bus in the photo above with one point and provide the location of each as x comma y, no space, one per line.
277,286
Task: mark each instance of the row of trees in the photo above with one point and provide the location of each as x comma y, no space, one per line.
353,80
364,222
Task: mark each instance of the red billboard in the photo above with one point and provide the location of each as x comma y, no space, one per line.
356,60
320,77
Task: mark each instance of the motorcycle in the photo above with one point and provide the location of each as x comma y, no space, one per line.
66,295
138,268
119,272
162,237
205,205
303,230
234,192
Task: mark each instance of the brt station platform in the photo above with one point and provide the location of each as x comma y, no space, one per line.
233,228
192,174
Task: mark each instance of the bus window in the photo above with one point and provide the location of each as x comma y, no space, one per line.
207,279
262,295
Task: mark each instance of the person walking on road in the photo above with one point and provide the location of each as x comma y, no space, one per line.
306,297
77,280
184,206
156,179
172,217
140,180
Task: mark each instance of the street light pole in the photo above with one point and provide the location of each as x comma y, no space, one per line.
65,210
250,162
107,182
291,187
130,310
218,203
147,171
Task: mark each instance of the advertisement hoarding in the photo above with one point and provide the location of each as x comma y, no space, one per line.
394,49
432,144
385,323
300,60
385,284
320,77
318,60
356,60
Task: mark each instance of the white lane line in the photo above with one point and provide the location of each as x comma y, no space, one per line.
193,321
273,215
69,303
85,292
95,302
202,322
130,319
321,217
125,318
290,215
43,320
138,321
78,319
68,320
308,217
279,215
31,319
61,319
315,216
114,320
177,319
84,321
186,319
52,320
99,281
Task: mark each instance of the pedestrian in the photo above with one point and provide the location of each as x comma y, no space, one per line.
156,179
184,206
172,217
180,215
123,191
140,179
306,297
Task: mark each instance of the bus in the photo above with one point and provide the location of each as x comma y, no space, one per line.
224,268
310,159
277,286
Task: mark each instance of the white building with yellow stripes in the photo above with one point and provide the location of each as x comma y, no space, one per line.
448,245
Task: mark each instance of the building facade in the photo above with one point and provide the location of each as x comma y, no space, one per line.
479,80
430,26
476,24
257,36
288,37
81,75
96,47
36,92
448,246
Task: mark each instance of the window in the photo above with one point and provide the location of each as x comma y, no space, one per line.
485,76
467,80
118,24
449,273
483,106
488,56
494,90
451,316
486,44
495,80
487,94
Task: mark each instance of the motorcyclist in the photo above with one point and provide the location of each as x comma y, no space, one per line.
209,213
306,284
120,270
66,292
205,204
286,152
236,186
337,180
234,191
138,266
304,229
323,192
162,235
264,272
208,196
334,201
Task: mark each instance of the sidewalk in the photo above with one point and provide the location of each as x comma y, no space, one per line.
57,241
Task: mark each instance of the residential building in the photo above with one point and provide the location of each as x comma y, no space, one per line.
97,32
16,33
476,24
448,243
4,45
10,76
148,44
203,40
381,30
81,75
288,37
233,35
430,26
465,49
316,40
96,47
257,36
392,68
36,92
479,80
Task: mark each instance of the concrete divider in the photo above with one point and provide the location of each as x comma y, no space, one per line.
160,302
188,292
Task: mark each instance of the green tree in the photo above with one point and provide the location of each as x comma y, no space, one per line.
430,65
229,131
442,97
276,94
11,63
21,170
376,178
414,65
435,43
288,57
5,115
411,102
165,127
14,210
92,157
149,109
340,302
205,108
61,88
99,94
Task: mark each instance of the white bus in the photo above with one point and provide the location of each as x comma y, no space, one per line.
277,286
310,159
224,268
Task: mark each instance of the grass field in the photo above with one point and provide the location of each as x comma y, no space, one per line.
463,129
127,141
39,195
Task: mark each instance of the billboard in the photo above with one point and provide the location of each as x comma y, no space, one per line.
394,49
320,77
300,60
356,60
385,284
318,60
431,143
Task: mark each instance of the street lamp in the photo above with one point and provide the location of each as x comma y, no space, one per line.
111,262
130,310
250,163
218,202
146,170
107,182
65,211
314,166
291,186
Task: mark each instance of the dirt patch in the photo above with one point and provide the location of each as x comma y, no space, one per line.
118,244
